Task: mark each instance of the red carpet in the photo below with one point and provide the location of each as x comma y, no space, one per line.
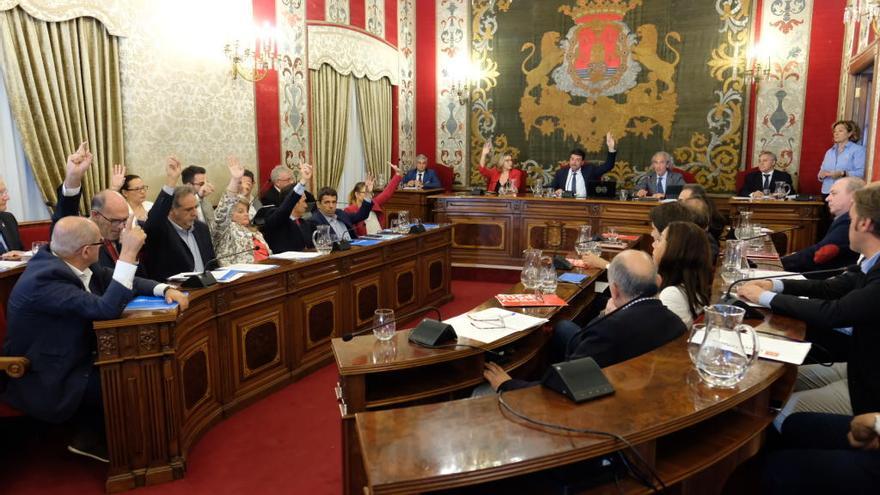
288,442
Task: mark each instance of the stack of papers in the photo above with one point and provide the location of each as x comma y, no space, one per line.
492,324
250,267
8,265
295,255
149,303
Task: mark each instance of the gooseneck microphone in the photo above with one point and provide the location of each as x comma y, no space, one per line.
728,297
206,279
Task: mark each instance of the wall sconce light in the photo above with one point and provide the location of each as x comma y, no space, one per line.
864,11
463,76
756,71
253,64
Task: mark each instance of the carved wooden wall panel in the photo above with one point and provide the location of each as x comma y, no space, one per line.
367,296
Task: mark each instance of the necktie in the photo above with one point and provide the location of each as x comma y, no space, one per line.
3,235
660,189
111,250
419,178
767,181
572,182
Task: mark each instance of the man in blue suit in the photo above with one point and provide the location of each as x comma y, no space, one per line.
421,177
340,222
51,310
833,250
576,176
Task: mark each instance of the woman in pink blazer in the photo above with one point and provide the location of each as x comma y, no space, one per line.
376,221
503,173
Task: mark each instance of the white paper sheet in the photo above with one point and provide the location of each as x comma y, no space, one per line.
295,255
8,265
250,267
774,349
483,329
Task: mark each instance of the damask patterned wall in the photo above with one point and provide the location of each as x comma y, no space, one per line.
177,95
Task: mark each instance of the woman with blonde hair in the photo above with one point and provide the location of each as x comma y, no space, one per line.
235,239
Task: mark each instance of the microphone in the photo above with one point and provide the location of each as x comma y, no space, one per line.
428,332
206,278
796,227
826,253
728,298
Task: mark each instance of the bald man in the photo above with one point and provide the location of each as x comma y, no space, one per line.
633,323
109,210
51,310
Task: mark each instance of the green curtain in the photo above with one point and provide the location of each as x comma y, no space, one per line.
329,100
64,88
374,110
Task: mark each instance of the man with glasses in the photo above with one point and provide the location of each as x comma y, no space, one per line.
197,179
51,310
281,178
178,241
109,210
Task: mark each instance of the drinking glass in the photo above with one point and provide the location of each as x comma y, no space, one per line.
548,276
395,225
623,195
403,222
612,235
531,271
384,324
36,245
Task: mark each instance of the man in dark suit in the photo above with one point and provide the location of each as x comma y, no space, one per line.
576,176
281,177
847,302
10,242
656,182
340,222
108,209
765,178
286,229
51,310
634,321
196,178
176,240
833,250
422,177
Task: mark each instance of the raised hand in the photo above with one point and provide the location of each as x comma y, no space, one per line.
117,177
173,168
206,190
395,168
369,182
609,140
487,148
132,240
236,170
305,173
77,163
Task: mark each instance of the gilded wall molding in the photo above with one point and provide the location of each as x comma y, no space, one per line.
113,15
352,52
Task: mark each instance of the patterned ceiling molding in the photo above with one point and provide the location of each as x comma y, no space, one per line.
111,14
352,52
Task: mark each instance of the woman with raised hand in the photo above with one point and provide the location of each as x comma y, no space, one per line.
235,239
501,175
376,221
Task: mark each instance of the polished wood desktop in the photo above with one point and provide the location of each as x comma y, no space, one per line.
168,377
691,434
376,375
493,231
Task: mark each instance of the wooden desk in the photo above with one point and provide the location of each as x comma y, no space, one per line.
692,435
779,215
377,375
493,231
415,201
168,378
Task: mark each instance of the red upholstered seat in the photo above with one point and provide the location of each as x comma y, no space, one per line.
445,174
741,178
688,177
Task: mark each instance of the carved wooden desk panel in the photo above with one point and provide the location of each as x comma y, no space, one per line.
415,201
494,230
378,375
168,378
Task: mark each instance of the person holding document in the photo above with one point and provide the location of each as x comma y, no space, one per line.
51,310
846,303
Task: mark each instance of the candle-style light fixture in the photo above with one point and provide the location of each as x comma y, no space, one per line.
253,64
863,11
757,69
